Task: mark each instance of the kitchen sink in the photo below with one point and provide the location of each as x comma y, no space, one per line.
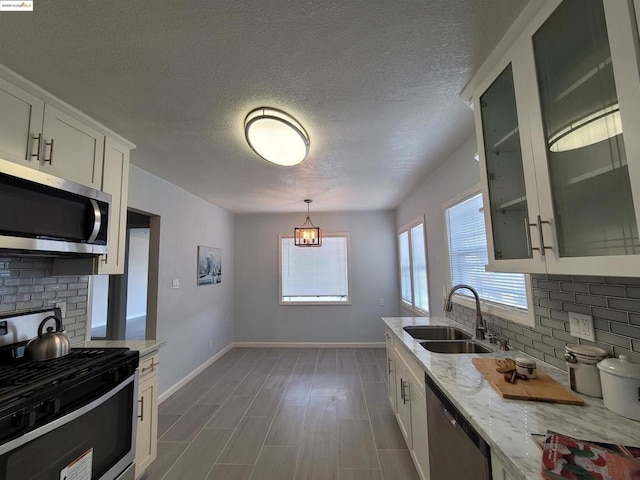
457,346
437,333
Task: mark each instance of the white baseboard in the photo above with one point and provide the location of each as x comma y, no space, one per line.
310,344
166,394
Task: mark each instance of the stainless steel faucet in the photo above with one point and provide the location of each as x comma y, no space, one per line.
448,306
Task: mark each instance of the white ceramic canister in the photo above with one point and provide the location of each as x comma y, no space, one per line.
584,376
621,386
526,367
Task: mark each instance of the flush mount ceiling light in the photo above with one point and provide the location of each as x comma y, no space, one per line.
276,136
307,235
593,128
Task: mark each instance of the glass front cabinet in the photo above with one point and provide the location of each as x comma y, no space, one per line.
558,130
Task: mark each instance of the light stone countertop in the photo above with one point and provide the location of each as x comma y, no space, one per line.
507,424
142,346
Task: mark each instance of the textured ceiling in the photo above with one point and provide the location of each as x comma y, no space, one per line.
375,83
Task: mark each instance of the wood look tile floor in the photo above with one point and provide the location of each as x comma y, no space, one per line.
283,414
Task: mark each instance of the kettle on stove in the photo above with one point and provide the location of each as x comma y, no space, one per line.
49,344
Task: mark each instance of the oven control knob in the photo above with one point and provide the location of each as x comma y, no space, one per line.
24,418
50,406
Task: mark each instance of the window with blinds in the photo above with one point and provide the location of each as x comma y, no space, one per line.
313,275
413,266
467,241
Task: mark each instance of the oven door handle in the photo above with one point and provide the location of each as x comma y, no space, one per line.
29,436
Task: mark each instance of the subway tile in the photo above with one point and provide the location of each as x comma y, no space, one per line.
633,292
612,339
599,324
533,334
608,290
613,315
542,311
534,352
588,279
575,287
636,345
622,304
515,328
634,319
564,336
591,300
623,280
544,348
554,342
576,308
538,293
543,329
555,324
551,304
524,340
633,356
562,278
562,296
555,361
548,284
562,316
626,330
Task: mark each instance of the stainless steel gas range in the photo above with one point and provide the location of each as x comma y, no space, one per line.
71,417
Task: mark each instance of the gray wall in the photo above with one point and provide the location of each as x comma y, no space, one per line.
459,173
26,283
613,302
196,322
374,275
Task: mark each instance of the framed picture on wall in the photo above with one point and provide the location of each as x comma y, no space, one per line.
209,265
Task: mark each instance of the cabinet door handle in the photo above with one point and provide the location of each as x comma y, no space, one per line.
404,398
389,365
50,159
402,389
141,416
527,228
150,367
39,149
542,246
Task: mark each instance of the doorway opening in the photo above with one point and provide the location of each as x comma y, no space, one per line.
125,306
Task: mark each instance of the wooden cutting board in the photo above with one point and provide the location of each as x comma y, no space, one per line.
541,389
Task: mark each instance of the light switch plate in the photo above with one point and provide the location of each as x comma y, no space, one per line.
581,326
175,283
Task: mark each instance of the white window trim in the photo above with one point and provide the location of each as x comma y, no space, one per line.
512,314
324,235
407,228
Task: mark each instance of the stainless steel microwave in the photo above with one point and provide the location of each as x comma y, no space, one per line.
46,215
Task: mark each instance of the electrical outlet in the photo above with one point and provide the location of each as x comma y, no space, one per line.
581,326
175,283
381,302
63,308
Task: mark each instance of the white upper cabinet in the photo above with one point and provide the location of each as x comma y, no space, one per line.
39,132
71,149
115,180
20,125
558,127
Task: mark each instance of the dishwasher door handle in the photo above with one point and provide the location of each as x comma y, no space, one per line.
450,417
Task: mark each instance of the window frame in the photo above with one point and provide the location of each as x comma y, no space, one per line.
407,228
513,314
344,235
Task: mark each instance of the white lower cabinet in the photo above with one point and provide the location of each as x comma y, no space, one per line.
410,406
147,428
497,470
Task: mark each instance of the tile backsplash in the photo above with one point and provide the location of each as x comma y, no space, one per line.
614,303
26,283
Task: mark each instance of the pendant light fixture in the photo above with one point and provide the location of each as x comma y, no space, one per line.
307,235
276,136
593,128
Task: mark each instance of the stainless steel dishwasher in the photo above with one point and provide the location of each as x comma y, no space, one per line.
456,450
